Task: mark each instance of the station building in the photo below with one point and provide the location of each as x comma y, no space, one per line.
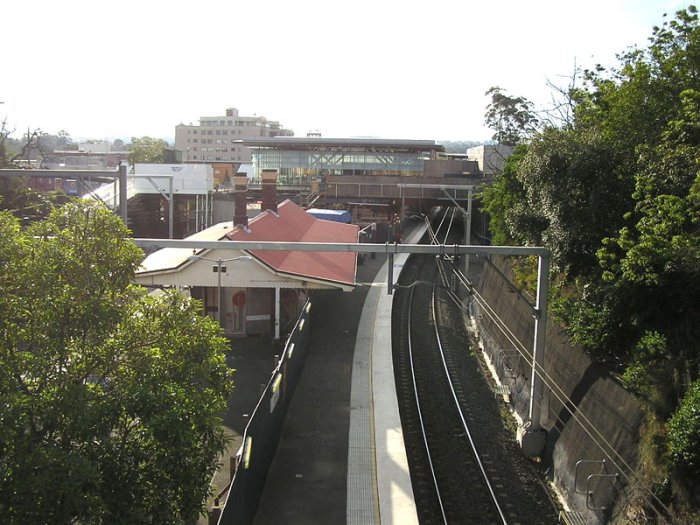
257,291
300,159
379,180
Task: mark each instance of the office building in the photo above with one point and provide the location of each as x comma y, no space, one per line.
217,139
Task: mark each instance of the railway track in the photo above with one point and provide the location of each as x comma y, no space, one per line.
452,430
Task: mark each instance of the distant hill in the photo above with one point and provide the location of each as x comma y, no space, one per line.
458,146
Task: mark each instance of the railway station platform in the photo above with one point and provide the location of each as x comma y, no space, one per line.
341,458
379,483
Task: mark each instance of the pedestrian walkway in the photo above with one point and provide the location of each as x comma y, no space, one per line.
306,483
253,359
341,458
379,482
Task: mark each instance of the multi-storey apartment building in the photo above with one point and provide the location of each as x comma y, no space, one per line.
216,139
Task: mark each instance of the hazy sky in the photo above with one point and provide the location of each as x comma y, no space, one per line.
392,69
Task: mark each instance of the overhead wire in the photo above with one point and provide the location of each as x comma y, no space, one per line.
578,415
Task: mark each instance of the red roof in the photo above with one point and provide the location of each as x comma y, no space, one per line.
292,224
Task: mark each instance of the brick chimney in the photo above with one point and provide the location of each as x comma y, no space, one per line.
240,200
269,190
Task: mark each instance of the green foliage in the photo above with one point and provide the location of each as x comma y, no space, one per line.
648,369
573,196
501,196
615,195
23,202
109,398
147,150
513,118
684,435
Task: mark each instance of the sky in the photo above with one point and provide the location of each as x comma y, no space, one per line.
396,69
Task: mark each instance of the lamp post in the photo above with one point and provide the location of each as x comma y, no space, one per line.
218,268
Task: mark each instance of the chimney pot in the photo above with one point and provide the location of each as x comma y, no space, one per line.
269,189
240,200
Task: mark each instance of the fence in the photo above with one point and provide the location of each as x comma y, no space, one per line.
263,431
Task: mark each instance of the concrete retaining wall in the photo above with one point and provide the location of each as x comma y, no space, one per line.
590,418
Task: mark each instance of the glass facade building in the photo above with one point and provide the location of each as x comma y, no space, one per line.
300,160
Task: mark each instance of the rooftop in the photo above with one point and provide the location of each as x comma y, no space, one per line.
292,224
310,143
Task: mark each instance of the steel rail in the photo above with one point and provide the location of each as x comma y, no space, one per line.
465,425
418,409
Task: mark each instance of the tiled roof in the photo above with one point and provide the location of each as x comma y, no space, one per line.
292,224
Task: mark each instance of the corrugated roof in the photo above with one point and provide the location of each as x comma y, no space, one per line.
283,142
172,258
292,224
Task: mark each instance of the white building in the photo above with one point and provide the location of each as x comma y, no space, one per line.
491,158
216,139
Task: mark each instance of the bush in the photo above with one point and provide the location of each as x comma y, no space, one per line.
684,434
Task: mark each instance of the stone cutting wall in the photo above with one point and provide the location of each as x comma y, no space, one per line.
588,416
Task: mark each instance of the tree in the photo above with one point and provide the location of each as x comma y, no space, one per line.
684,434
501,197
49,143
512,118
147,149
573,198
15,194
4,135
110,399
615,194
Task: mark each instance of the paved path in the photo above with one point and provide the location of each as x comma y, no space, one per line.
307,482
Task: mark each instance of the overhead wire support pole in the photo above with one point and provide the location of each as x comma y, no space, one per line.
171,206
467,215
468,232
105,176
169,197
540,333
390,271
122,191
434,249
532,438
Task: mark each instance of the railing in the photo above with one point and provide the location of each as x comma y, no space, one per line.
264,429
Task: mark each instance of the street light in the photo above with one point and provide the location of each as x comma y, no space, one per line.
218,269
